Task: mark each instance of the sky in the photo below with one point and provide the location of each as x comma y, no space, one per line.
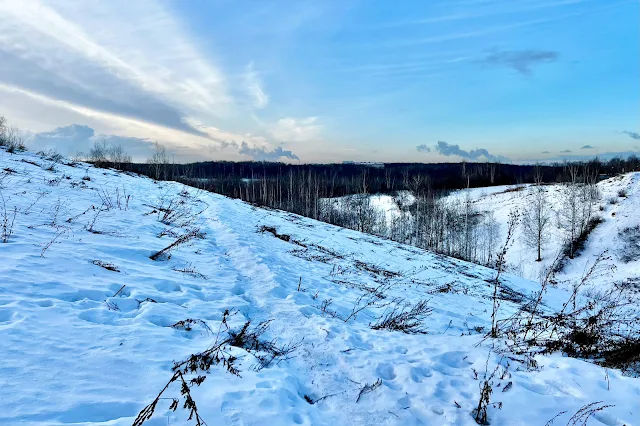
325,80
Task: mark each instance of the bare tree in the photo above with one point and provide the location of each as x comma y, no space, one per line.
117,156
159,161
579,197
98,153
570,214
536,218
10,137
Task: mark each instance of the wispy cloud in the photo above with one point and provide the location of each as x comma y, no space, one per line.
446,149
546,152
254,88
587,147
423,148
486,12
634,135
296,130
263,154
111,69
521,60
486,30
118,124
566,151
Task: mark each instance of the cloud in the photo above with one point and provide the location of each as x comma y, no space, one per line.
633,135
261,153
69,140
546,152
475,154
259,98
75,138
423,148
296,130
521,60
140,65
588,147
566,151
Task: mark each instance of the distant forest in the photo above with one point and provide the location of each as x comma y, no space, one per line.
265,182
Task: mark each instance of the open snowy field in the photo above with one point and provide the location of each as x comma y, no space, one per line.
90,325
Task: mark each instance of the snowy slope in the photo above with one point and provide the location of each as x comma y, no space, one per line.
79,348
615,235
612,237
618,212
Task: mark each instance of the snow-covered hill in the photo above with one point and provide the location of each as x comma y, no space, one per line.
619,207
90,326
617,236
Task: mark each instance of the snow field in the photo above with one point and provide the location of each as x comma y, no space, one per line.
70,357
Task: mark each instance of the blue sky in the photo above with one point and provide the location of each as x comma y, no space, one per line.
326,80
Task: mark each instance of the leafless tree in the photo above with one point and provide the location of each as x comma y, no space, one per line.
98,153
159,161
10,137
536,218
579,196
117,156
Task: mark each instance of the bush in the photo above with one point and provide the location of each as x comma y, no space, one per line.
10,137
405,321
248,339
602,327
7,219
630,238
571,249
182,239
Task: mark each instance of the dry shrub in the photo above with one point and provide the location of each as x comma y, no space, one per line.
248,339
406,321
189,235
105,265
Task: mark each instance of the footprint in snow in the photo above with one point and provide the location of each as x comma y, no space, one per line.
279,292
356,342
437,410
455,359
386,371
238,289
539,388
8,317
46,303
299,419
101,316
167,286
307,311
419,373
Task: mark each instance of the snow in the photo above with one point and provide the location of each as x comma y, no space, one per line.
606,237
69,359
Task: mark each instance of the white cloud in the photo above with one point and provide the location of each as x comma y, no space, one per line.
119,125
254,88
296,130
227,138
129,58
